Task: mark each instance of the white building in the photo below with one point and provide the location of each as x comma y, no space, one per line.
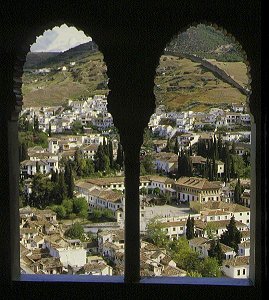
70,252
196,189
237,267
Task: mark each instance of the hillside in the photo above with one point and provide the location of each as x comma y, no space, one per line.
206,42
33,59
180,83
86,78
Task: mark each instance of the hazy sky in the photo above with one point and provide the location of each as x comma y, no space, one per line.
59,39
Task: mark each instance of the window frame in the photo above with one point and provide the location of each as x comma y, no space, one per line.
23,282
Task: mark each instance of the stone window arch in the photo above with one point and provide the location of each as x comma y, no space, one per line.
161,22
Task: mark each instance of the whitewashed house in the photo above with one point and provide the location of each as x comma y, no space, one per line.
174,230
237,267
70,252
166,162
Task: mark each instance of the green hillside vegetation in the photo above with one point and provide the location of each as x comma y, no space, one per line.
180,83
34,59
206,42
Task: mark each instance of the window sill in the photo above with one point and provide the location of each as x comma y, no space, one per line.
144,280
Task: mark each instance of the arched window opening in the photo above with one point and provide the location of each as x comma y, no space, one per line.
196,161
71,187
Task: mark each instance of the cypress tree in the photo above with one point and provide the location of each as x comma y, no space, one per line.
49,132
110,148
215,148
23,153
190,228
233,173
233,148
190,150
232,236
216,251
227,164
214,168
69,180
71,186
176,147
53,176
78,162
237,192
219,146
184,166
36,124
62,187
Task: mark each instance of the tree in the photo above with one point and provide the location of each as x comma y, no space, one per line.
209,267
101,160
42,188
210,230
190,228
80,205
143,191
54,176
184,166
219,147
176,147
61,187
49,131
77,127
216,251
60,211
237,192
69,180
190,150
110,151
87,167
155,233
68,205
232,236
239,167
147,165
78,162
23,153
36,124
227,163
165,198
76,231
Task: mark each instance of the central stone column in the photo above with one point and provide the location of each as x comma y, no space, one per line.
131,102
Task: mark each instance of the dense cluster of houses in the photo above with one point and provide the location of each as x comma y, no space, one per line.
208,202
45,250
93,112
189,121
